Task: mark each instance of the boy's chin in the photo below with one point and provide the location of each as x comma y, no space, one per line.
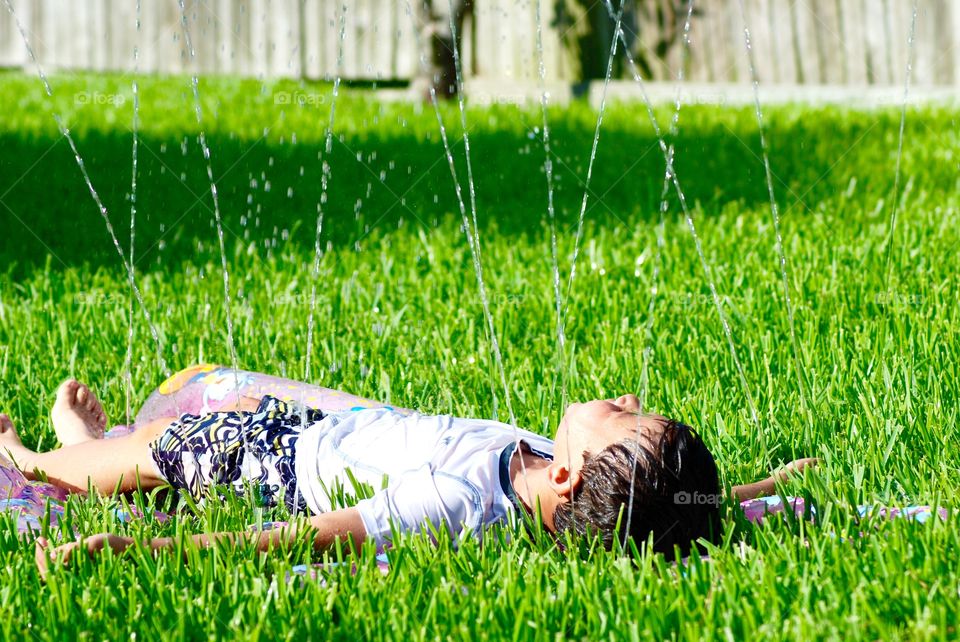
560,428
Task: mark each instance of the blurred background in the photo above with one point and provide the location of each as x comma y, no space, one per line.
796,42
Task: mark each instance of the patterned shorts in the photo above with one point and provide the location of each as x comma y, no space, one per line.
238,449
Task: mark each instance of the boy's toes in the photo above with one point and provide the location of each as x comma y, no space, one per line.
83,396
67,392
77,414
6,424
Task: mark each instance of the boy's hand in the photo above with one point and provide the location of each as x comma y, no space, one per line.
795,466
768,485
48,558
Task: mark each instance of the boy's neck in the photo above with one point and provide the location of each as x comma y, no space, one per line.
528,474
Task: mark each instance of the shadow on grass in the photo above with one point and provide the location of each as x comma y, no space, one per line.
269,189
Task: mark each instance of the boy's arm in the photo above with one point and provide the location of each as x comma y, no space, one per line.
767,486
324,530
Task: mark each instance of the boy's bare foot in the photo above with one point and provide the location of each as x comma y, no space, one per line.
10,445
77,414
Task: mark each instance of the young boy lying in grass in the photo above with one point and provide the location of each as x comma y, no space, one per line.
459,474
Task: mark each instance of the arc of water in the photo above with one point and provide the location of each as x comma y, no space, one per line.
561,308
198,112
593,150
246,463
128,358
551,214
681,197
472,233
775,213
101,208
324,181
661,225
903,122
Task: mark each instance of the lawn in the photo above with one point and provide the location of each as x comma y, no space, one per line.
399,318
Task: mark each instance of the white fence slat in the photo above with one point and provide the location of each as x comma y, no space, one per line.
802,49
408,54
312,27
380,33
900,17
149,34
854,41
381,39
330,16
705,54
875,41
943,42
481,40
510,40
120,34
96,23
777,31
756,20
361,39
253,37
8,38
930,65
830,45
47,33
738,49
223,29
286,40
954,48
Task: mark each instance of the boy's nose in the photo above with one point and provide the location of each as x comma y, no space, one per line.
628,402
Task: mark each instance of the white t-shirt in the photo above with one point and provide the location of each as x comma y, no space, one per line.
437,468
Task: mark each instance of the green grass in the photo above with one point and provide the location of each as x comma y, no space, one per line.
399,319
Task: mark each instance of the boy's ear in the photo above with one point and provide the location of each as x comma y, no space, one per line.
562,479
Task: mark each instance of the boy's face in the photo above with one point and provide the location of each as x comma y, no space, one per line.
594,425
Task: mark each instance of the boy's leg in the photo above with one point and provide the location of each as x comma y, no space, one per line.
111,464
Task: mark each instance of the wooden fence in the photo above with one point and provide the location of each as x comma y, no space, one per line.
848,42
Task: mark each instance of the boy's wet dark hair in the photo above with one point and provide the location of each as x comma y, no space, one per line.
676,493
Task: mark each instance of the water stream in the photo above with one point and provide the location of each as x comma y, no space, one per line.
903,121
128,358
705,265
321,205
775,213
101,208
648,339
198,112
551,215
